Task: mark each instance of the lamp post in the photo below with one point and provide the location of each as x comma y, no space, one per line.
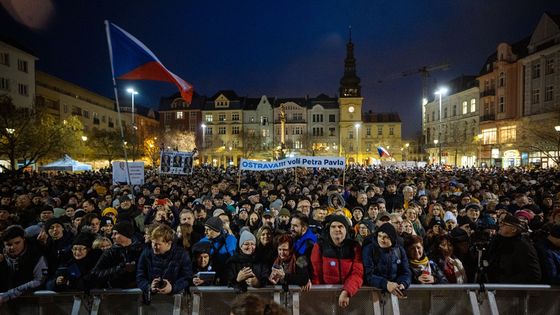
435,145
357,126
203,140
557,128
406,145
479,150
84,139
132,93
440,92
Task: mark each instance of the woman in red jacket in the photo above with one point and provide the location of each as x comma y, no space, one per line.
337,259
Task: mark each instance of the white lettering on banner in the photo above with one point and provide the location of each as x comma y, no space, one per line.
302,161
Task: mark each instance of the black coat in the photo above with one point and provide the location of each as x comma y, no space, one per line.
513,260
239,261
110,269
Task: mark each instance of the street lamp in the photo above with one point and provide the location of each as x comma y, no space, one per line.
84,139
406,145
436,144
132,93
10,130
203,139
440,92
357,126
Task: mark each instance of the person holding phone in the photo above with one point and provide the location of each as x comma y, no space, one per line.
287,268
243,268
75,274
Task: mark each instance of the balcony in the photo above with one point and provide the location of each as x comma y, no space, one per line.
489,92
487,117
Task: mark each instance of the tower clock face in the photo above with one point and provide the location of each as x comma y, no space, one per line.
351,109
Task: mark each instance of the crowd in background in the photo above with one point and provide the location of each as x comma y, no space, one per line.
381,227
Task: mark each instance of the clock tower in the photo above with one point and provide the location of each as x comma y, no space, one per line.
350,100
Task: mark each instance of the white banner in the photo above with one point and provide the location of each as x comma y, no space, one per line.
300,161
176,162
135,170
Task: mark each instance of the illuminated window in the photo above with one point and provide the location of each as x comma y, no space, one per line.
465,107
179,115
508,134
473,105
208,118
489,136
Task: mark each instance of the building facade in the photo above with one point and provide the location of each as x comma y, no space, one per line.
17,74
450,131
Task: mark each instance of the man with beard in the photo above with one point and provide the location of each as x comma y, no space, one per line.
21,265
304,238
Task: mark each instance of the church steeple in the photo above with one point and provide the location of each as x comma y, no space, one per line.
350,82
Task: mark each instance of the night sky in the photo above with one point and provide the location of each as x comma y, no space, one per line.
278,48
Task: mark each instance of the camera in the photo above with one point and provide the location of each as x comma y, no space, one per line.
160,283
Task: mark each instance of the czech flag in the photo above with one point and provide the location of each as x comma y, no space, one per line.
132,60
383,152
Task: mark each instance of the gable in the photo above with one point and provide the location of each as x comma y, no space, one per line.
547,32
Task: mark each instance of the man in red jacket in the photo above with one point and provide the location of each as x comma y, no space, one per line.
337,259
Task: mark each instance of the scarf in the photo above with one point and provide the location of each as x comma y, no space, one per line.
289,265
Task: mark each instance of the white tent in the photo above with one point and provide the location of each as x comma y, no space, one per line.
66,164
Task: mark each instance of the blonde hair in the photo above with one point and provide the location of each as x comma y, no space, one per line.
164,232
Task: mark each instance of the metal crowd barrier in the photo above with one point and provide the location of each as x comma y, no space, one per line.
321,300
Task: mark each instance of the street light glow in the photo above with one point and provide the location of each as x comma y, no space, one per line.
557,128
10,130
132,91
407,144
357,125
203,125
84,138
436,141
442,91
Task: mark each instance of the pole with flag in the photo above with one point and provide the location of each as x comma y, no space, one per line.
132,60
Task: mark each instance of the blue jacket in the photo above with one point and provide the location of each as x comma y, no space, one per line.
174,266
383,265
304,244
550,261
223,247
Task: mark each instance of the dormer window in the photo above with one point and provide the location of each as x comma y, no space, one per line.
221,102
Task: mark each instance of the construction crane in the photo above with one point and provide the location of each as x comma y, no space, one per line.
424,73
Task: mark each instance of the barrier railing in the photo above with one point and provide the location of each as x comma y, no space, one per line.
322,299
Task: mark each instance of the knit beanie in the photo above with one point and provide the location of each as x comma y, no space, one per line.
449,216
124,228
84,238
246,236
58,212
52,221
215,223
389,229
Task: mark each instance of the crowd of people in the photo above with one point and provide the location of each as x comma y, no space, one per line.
374,226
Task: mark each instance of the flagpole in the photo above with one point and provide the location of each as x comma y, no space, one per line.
117,101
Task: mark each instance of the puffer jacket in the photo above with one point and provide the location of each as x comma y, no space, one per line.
385,264
338,264
174,266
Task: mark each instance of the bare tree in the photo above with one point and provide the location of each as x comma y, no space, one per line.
29,136
542,138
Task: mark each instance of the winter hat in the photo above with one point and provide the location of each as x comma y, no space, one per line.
463,220
555,231
267,213
58,212
215,224
458,235
79,213
381,215
246,236
201,248
474,206
276,204
513,220
110,210
52,221
124,228
524,214
33,231
84,238
284,212
449,216
358,208
389,229
341,219
218,212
